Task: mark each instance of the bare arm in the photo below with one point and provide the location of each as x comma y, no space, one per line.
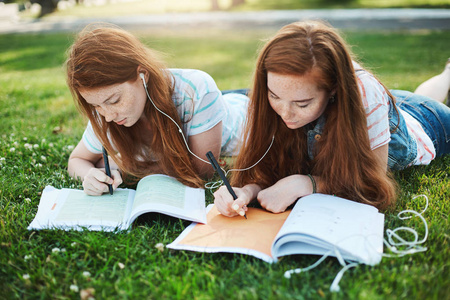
84,164
286,191
200,144
382,155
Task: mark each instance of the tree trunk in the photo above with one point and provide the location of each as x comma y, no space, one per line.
215,5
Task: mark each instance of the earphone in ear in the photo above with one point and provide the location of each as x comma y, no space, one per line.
142,75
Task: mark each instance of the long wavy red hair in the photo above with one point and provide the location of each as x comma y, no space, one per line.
104,55
343,158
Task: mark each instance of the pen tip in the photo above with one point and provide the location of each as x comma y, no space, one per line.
245,216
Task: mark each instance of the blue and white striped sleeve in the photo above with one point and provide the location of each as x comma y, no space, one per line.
91,141
209,107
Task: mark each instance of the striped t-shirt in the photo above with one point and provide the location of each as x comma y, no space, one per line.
376,104
201,106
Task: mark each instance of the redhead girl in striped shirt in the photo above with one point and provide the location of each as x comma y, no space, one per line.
335,128
150,119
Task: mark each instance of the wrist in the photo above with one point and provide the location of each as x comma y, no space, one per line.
251,190
313,183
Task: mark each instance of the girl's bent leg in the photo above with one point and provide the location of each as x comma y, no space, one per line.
438,86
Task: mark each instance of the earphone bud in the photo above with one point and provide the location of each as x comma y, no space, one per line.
142,75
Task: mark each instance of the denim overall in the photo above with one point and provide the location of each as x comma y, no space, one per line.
402,147
432,115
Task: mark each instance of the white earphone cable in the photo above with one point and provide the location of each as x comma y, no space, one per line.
213,184
179,128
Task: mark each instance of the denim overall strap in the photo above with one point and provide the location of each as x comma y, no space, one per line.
314,135
403,146
237,91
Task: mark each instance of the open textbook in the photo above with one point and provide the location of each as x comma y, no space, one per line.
318,224
73,209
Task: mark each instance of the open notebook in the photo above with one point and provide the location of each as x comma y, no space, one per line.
318,224
72,209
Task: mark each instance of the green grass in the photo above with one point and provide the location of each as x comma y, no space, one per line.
40,125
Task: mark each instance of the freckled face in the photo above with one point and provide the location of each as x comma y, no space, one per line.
122,103
296,99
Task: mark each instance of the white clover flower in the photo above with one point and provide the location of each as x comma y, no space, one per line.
160,247
35,146
43,158
70,147
12,149
25,138
50,145
16,144
43,140
86,274
74,288
63,250
27,257
28,146
121,265
87,294
56,250
73,244
28,200
39,165
26,276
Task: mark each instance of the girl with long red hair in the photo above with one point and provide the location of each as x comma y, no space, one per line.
149,118
335,128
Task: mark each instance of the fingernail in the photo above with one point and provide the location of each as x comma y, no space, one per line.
242,213
235,206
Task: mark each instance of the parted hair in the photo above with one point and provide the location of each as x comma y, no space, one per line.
103,55
342,156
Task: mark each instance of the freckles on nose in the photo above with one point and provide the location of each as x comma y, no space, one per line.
108,115
284,111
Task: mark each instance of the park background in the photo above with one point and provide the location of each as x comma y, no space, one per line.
40,126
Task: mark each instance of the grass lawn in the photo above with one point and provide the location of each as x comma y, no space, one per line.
40,125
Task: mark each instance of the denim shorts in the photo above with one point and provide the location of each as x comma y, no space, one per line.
431,114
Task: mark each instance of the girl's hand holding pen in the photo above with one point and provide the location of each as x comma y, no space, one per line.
95,183
229,207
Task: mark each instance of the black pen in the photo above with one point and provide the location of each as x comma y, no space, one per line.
107,169
218,169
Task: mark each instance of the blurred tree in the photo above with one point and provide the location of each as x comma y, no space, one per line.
215,5
237,2
47,6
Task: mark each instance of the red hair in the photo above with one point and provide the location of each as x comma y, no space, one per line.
343,158
104,55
